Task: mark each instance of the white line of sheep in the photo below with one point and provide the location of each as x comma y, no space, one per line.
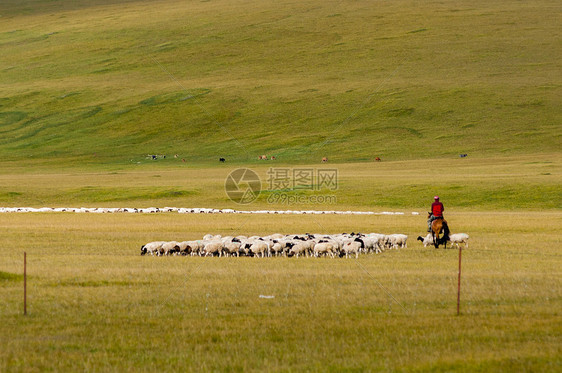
310,245
181,210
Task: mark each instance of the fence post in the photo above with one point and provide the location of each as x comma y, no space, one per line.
459,284
24,283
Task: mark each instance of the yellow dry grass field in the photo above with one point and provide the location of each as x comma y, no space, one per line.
95,304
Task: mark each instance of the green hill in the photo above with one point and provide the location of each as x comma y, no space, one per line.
301,80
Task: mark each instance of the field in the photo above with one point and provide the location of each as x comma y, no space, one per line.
96,304
90,88
527,183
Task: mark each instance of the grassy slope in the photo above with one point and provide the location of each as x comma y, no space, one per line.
301,80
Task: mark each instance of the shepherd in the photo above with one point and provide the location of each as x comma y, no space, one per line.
437,209
438,224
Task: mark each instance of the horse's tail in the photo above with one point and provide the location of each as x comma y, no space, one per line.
446,231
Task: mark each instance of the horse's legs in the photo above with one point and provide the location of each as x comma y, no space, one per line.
436,229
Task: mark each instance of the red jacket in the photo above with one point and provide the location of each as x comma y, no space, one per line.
437,209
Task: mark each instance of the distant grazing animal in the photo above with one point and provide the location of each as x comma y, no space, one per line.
222,160
378,159
273,158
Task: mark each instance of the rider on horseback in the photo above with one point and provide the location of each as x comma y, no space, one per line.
436,212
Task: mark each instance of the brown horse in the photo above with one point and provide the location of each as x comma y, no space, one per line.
437,226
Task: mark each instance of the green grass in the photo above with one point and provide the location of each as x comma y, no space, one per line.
500,183
99,82
95,304
6,276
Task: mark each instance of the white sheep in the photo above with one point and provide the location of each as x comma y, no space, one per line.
184,248
459,238
212,248
353,247
379,241
398,240
277,248
152,248
427,240
326,248
371,244
232,248
260,247
195,247
210,237
296,249
169,248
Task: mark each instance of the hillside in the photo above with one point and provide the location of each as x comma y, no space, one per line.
111,81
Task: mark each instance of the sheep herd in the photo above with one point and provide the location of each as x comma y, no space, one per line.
183,210
294,245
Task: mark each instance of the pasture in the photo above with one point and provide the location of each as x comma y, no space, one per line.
529,182
96,304
91,87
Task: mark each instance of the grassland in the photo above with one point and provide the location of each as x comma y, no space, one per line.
500,183
107,82
96,305
89,88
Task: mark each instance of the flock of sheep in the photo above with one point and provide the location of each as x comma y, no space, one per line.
311,245
182,210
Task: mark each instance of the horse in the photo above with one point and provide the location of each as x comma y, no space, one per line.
437,226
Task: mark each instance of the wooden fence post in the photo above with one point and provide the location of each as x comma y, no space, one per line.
459,284
24,283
